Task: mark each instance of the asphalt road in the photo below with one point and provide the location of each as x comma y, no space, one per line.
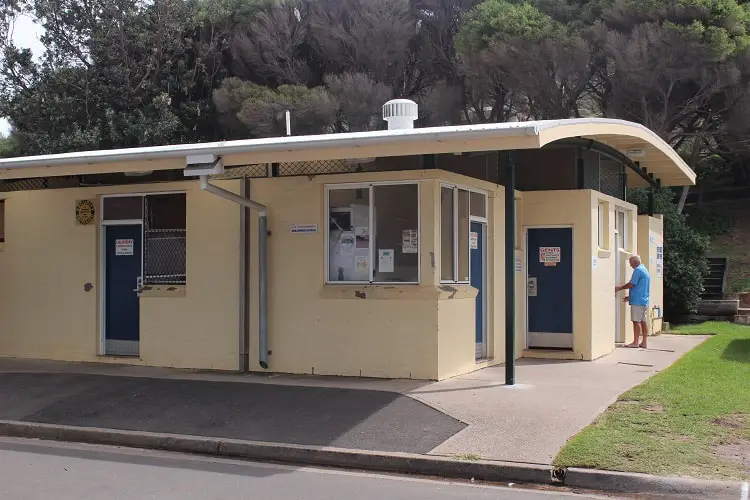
318,416
36,470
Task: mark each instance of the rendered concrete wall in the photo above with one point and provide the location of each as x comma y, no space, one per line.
48,258
412,331
650,236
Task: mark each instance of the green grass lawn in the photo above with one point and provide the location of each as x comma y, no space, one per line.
691,419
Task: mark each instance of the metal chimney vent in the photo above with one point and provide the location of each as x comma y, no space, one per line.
400,113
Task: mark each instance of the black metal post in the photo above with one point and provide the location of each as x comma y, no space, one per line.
510,271
651,202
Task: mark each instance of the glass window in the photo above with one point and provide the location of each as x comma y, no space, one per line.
165,239
602,213
447,256
2,221
122,208
454,244
373,234
396,213
478,205
621,228
463,235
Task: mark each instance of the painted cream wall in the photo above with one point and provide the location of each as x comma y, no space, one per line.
604,301
649,227
421,331
567,208
48,258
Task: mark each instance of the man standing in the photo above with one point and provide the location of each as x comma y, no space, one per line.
639,286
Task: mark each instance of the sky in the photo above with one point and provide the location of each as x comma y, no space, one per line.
26,35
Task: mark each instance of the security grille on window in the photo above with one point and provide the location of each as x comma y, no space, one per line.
457,208
373,233
164,239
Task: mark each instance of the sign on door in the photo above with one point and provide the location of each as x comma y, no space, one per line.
124,247
549,256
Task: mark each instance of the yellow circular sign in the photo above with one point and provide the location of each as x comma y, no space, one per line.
85,212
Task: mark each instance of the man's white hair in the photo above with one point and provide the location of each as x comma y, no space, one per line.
636,258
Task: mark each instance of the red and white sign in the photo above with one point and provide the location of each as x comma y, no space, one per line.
124,247
549,255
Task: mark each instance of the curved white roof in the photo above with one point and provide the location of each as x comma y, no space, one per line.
653,153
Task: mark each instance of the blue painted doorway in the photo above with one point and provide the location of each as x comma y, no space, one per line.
549,287
123,261
478,276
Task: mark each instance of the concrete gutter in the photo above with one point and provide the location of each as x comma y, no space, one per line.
482,470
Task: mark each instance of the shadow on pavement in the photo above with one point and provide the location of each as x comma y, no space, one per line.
317,416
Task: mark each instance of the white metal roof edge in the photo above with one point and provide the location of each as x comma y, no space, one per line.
272,144
348,140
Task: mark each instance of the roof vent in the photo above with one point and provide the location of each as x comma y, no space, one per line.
400,114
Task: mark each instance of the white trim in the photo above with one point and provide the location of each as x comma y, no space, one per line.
371,207
485,299
572,278
456,188
121,222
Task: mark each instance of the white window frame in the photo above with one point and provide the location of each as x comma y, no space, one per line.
371,203
472,218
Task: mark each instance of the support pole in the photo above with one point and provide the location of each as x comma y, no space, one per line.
510,271
263,295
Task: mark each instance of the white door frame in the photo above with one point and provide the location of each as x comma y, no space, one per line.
526,274
619,337
482,221
103,274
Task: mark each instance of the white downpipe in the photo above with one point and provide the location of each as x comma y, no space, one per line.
262,262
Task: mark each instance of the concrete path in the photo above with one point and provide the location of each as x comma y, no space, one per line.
552,401
529,422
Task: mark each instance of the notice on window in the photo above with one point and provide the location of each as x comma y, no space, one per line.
594,262
385,260
474,240
519,265
124,247
360,263
549,256
409,241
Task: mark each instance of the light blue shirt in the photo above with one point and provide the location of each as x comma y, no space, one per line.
641,281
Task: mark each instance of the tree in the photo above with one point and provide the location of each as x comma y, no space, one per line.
347,102
115,73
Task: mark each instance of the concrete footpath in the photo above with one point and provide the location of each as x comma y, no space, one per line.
469,426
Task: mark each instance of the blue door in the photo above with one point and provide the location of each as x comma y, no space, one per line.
121,305
478,274
549,287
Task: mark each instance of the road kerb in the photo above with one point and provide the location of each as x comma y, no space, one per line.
481,470
626,482
288,453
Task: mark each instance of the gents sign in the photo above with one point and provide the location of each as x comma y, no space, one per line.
549,256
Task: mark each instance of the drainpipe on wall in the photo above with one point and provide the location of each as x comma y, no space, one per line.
262,262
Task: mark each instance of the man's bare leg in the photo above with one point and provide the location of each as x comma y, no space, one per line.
644,333
636,332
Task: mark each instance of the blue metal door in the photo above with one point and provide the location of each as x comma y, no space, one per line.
123,270
478,274
549,287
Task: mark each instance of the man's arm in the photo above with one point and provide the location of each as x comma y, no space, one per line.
633,281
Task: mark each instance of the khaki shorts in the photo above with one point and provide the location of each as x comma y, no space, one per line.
638,313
